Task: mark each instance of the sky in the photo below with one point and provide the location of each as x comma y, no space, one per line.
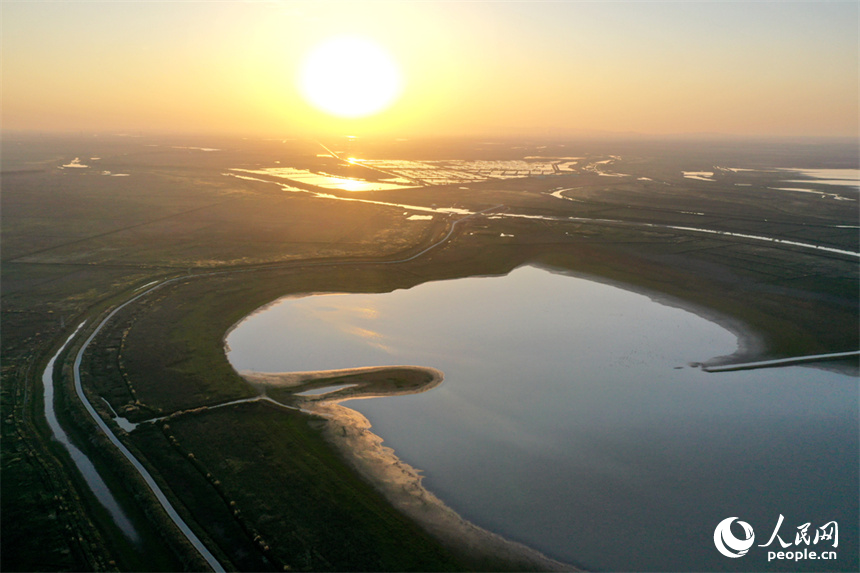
466,68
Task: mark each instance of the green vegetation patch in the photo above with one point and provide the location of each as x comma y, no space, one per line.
310,511
35,535
195,488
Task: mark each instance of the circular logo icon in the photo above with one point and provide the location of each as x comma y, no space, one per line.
727,543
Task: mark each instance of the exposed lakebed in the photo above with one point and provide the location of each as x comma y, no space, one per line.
570,419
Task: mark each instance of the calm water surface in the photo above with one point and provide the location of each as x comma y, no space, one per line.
91,476
570,420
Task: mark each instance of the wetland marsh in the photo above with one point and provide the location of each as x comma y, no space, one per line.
636,433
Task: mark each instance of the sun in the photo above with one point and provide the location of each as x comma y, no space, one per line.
350,76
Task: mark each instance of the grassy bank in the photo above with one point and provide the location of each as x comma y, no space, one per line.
247,454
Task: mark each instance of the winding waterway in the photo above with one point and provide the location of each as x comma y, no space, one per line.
93,479
91,476
596,221
570,419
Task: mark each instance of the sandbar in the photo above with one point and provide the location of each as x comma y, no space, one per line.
401,484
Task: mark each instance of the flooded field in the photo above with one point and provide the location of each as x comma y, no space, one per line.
325,181
845,177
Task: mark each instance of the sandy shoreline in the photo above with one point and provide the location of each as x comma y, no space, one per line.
350,433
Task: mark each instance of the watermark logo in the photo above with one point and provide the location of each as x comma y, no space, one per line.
731,546
727,543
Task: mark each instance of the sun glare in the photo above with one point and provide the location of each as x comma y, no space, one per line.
350,77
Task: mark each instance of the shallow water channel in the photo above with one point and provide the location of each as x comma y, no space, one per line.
91,476
570,419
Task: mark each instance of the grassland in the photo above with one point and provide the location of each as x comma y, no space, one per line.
262,485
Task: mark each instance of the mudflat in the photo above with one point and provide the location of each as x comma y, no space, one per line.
350,432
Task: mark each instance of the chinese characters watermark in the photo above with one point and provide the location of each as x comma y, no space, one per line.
732,546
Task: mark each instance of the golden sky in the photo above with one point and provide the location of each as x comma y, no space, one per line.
467,68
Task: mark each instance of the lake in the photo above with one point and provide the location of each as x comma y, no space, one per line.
570,419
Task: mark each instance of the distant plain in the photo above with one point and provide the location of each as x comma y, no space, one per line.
689,220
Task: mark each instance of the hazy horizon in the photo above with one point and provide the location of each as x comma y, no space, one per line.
580,69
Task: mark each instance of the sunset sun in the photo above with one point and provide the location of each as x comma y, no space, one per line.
349,77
